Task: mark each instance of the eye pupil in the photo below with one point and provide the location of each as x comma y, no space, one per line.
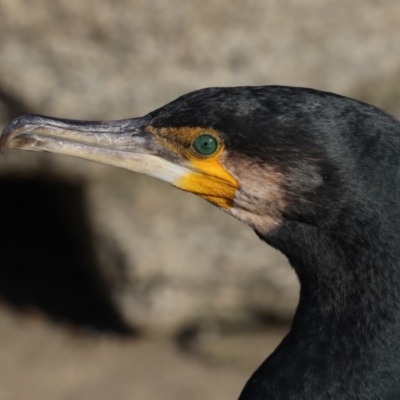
205,145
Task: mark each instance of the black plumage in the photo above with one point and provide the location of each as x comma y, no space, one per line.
323,172
340,232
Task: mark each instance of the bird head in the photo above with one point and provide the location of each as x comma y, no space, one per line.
258,153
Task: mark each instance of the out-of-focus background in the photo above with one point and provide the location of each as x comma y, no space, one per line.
113,285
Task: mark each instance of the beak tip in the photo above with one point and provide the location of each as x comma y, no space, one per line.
4,138
17,125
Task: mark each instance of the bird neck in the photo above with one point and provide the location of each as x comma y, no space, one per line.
345,333
352,272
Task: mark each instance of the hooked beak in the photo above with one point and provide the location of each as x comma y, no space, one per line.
122,143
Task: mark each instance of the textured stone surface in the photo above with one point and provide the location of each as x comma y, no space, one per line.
49,363
170,259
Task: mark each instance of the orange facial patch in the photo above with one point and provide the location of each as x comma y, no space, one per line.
206,176
212,182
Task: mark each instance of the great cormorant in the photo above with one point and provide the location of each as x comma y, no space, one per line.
317,176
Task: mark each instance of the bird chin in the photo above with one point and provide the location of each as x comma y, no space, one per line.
263,224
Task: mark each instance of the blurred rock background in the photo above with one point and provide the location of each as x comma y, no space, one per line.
84,245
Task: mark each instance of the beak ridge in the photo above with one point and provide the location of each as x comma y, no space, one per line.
122,143
113,134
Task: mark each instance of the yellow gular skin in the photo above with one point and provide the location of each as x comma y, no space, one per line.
212,182
206,176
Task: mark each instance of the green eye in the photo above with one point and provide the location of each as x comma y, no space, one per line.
205,145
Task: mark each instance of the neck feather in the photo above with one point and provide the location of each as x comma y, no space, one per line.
345,334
